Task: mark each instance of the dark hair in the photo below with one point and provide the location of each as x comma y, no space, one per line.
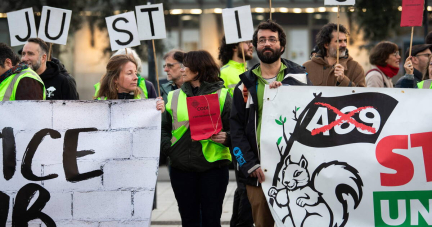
274,27
325,35
428,39
42,44
5,53
380,53
203,63
226,51
178,55
108,87
426,75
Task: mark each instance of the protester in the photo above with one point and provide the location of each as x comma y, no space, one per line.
120,81
427,77
323,69
173,60
59,84
384,58
232,60
146,87
199,169
419,60
17,80
269,41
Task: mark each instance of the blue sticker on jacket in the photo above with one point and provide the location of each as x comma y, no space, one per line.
239,156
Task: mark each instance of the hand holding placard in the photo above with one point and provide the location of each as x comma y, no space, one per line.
21,26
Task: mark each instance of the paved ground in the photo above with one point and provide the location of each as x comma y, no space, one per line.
166,212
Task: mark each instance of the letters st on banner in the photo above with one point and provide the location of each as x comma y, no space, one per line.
89,162
352,157
204,116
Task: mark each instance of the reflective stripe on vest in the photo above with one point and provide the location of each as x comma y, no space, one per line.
11,84
425,84
177,107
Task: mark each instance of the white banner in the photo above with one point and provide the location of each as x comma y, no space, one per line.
21,26
78,163
151,21
339,2
54,25
238,24
122,30
347,156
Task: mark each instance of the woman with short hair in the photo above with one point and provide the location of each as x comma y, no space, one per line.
384,58
199,169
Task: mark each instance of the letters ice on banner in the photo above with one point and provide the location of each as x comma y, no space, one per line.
339,2
412,13
122,30
151,21
350,158
21,26
54,25
238,24
78,163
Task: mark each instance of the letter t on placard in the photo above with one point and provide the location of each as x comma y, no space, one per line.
238,24
150,21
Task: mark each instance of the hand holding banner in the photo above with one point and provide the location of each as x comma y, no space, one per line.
52,29
21,26
204,116
242,28
412,13
122,30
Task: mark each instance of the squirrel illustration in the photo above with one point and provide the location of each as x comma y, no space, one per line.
320,200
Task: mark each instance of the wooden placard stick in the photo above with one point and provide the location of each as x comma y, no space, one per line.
126,51
49,52
337,52
156,68
270,10
244,59
412,32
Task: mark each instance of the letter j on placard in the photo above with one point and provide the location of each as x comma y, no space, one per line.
21,26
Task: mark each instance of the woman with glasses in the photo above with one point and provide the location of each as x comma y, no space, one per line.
199,169
385,60
121,81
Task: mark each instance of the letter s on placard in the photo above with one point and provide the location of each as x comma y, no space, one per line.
122,30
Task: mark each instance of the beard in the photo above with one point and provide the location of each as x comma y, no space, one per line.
247,57
36,65
269,57
333,53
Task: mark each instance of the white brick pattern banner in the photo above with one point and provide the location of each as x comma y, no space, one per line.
78,163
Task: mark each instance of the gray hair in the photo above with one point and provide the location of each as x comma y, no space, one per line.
133,54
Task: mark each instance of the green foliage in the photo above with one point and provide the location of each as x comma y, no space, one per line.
297,108
379,20
279,140
278,122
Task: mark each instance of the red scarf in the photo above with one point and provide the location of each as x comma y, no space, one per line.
389,70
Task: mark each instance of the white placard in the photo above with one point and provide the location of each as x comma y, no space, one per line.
151,21
122,30
339,2
54,25
238,24
89,162
21,26
349,156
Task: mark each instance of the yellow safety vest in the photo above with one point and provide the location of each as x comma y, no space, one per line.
425,84
177,107
9,86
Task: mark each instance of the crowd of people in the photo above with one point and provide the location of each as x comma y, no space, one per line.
199,169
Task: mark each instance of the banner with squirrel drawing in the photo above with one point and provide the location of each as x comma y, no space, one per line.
350,157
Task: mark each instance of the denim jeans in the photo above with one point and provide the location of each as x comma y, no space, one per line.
200,195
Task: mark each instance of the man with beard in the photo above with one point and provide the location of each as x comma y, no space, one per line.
58,83
323,70
232,60
269,41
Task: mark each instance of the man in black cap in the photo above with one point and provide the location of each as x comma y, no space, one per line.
419,60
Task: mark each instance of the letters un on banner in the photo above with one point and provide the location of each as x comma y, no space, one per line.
78,163
347,156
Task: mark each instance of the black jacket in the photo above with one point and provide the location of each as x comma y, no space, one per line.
244,120
409,82
59,84
186,154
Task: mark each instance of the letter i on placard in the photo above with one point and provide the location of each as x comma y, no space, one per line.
151,26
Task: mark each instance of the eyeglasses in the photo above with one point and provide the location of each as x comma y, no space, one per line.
262,41
427,55
170,65
182,66
396,54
